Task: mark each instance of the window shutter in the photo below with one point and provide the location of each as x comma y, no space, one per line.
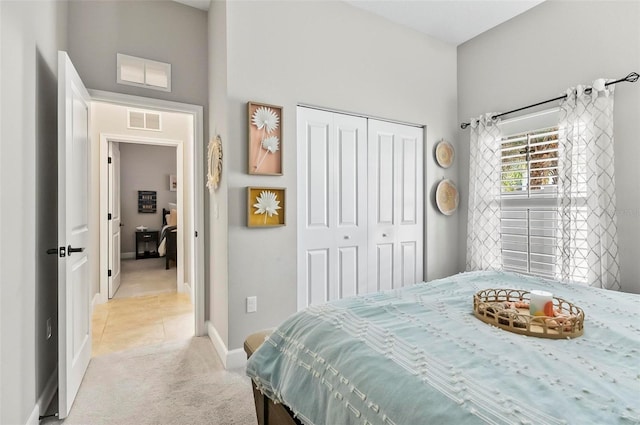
529,178
530,222
530,164
529,240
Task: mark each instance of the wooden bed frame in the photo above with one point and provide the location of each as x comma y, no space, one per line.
267,412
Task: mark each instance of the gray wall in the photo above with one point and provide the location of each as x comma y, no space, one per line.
333,55
217,212
538,55
143,167
165,31
30,35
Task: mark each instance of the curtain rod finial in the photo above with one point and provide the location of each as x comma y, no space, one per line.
632,78
464,125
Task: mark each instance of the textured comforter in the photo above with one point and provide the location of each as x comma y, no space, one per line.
418,355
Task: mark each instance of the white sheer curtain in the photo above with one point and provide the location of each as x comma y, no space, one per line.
587,232
483,227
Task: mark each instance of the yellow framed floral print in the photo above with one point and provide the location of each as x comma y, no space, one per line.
265,206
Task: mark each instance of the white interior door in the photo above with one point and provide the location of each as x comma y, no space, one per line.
395,199
115,218
332,181
74,284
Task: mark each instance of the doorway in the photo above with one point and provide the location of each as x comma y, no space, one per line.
143,255
147,178
189,153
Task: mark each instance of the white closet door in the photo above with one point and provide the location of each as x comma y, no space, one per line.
332,197
395,205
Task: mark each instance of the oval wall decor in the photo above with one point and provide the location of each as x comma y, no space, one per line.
447,197
215,163
444,154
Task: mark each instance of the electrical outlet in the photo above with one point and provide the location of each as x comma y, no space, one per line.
49,328
252,304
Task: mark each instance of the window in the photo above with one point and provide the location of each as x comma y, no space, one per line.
530,164
529,206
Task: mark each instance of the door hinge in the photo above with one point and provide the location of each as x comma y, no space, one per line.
63,251
109,160
109,273
108,216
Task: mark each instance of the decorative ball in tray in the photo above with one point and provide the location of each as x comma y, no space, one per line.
508,309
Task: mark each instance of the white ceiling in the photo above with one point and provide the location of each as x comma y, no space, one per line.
199,4
453,21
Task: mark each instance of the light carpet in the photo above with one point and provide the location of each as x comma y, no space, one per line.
178,382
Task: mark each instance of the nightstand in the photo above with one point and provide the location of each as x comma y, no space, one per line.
147,244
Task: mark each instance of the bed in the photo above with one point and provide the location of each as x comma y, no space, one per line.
418,355
167,247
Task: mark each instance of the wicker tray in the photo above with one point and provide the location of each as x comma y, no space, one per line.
497,307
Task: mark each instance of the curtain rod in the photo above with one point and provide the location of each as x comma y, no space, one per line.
631,78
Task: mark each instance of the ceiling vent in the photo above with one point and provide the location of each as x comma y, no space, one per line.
145,73
144,120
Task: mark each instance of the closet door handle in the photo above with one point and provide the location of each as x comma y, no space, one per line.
347,237
384,235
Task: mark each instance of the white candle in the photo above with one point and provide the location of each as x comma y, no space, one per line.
541,303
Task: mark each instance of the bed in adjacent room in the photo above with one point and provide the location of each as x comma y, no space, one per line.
418,355
167,247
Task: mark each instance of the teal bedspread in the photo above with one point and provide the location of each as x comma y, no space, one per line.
418,355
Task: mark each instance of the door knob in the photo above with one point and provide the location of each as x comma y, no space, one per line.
70,250
384,235
347,237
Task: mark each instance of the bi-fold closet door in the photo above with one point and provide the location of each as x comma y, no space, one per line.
360,197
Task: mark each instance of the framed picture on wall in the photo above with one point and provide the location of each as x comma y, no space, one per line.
265,139
265,206
173,182
147,201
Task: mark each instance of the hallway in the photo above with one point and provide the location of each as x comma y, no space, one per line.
152,312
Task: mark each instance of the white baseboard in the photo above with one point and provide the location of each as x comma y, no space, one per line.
49,392
217,342
236,359
97,299
34,418
188,290
127,255
230,359
184,288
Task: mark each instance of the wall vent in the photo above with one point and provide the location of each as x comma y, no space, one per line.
145,73
144,120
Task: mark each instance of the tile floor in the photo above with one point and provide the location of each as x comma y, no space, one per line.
145,277
125,323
